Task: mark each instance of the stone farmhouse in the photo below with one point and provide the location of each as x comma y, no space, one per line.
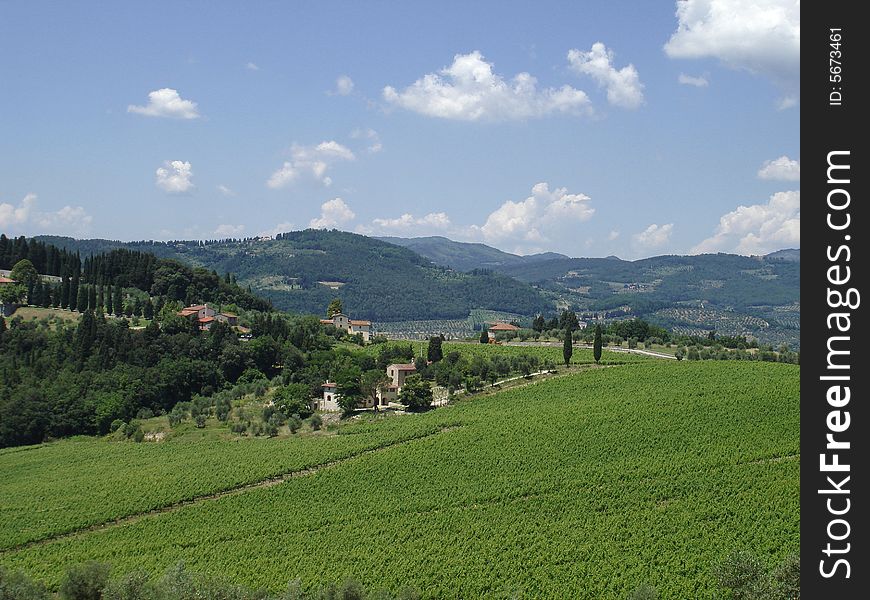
390,395
352,326
205,315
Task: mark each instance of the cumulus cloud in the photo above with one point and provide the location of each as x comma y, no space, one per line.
252,67
408,224
781,169
333,214
699,81
654,236
469,90
545,215
343,86
760,37
623,86
167,103
67,220
612,235
16,215
759,228
174,177
225,191
279,228
371,136
312,161
229,231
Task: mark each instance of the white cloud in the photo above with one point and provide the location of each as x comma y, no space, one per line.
229,231
699,81
408,224
654,236
343,85
312,161
279,228
333,213
781,169
68,220
371,135
545,215
166,102
252,67
225,191
623,86
758,229
612,235
468,90
16,215
760,37
174,177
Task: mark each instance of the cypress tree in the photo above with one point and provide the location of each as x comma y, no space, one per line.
148,309
34,297
92,297
72,300
118,301
82,303
137,307
101,298
567,346
596,345
64,292
46,295
484,336
108,299
2,324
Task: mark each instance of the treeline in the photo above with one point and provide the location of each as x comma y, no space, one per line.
104,273
59,379
95,581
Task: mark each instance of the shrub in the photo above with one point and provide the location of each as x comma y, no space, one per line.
116,425
15,585
85,581
315,422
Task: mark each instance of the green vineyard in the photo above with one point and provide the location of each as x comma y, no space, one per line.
581,486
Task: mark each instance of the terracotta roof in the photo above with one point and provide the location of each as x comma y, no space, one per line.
352,322
206,320
503,327
6,280
326,321
196,307
329,384
405,367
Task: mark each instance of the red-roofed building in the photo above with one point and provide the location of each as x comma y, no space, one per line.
205,315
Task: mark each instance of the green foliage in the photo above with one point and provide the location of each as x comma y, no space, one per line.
433,352
15,585
24,273
567,347
416,393
596,344
644,592
85,581
335,307
293,398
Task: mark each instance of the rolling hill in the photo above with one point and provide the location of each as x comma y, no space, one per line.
302,271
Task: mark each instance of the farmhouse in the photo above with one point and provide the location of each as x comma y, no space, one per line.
352,326
397,374
206,315
501,327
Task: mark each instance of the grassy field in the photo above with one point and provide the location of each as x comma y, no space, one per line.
583,486
32,313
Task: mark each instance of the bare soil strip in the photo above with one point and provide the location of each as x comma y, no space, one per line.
265,483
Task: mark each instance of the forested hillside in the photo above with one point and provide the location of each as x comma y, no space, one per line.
301,271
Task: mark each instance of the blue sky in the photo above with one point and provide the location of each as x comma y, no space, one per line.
588,128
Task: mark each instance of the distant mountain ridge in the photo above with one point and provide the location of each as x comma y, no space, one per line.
302,271
466,256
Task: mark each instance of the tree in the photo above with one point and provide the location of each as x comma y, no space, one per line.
73,293
372,382
348,389
416,393
108,298
433,352
568,320
82,302
11,293
24,273
85,582
118,301
148,309
539,323
484,336
64,292
567,346
335,307
596,344
293,398
92,297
